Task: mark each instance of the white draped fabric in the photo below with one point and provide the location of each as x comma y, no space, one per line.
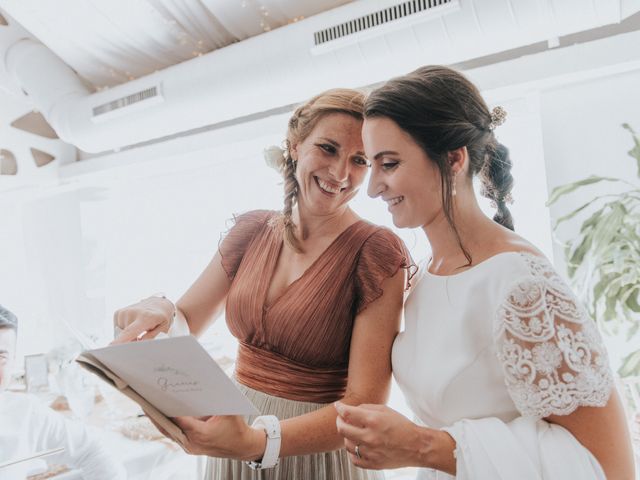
526,449
112,41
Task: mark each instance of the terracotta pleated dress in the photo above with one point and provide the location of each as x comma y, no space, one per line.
293,354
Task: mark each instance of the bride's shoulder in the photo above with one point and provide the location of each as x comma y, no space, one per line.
513,243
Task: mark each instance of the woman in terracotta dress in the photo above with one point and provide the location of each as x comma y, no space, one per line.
314,296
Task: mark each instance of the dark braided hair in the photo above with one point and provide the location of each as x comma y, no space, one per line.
497,182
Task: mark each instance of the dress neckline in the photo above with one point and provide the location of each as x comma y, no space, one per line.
280,244
477,266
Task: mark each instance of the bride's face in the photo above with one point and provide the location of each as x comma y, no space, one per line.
402,174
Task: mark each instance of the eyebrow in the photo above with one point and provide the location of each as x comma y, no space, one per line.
337,145
379,155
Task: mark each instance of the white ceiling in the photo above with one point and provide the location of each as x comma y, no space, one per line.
113,41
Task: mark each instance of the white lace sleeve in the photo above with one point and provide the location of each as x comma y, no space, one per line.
551,352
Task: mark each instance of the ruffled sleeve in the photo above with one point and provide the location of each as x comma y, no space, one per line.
381,256
552,355
235,241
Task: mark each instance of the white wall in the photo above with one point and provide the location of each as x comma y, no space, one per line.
41,278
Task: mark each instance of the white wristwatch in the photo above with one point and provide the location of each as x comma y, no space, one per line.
271,425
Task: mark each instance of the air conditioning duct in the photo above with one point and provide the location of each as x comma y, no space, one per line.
286,65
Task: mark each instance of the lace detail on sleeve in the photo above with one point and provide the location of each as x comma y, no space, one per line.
381,256
552,354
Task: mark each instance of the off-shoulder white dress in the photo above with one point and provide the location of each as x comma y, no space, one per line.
489,352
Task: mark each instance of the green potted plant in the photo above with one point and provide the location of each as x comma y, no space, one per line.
604,258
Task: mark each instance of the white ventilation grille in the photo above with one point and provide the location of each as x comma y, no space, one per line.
135,101
379,18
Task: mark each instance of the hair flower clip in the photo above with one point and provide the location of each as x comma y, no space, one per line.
498,117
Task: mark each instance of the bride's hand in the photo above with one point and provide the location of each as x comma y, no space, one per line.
226,436
386,439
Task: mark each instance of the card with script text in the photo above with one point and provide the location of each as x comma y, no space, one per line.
175,375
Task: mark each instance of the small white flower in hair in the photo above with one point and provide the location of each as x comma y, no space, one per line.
274,157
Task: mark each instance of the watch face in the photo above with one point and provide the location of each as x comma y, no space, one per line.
258,465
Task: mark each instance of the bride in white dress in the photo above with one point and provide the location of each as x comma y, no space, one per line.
505,372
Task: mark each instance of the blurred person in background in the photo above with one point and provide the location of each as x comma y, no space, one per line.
28,427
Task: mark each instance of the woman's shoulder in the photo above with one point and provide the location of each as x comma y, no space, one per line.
510,265
511,242
515,247
255,216
381,241
245,226
526,274
381,256
378,233
249,223
241,232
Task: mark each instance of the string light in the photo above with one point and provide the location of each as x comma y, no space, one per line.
264,13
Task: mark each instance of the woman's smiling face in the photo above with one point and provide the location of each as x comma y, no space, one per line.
331,164
402,174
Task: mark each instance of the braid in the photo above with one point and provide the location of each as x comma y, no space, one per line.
290,196
497,181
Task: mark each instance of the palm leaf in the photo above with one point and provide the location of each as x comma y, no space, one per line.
572,214
562,190
632,301
635,151
630,365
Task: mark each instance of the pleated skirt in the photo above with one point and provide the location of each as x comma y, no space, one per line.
320,466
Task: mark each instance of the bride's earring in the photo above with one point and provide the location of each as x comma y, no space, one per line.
453,186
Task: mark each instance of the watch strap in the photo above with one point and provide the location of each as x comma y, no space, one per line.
271,426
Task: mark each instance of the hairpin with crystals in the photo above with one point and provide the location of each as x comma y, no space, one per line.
498,117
